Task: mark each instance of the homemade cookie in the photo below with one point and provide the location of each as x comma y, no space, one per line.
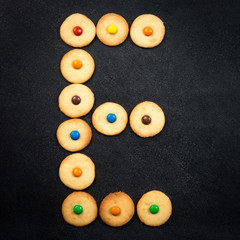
147,119
147,31
79,209
74,135
110,118
77,171
154,208
116,209
77,66
76,100
77,30
112,29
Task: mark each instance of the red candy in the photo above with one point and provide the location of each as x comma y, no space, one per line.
77,31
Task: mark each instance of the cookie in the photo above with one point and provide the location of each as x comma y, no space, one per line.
76,100
79,209
77,66
147,119
110,118
74,135
116,209
147,31
154,208
77,30
112,29
77,171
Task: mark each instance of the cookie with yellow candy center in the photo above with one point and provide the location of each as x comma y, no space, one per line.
154,208
77,66
147,31
74,134
77,171
79,209
77,30
116,209
112,29
147,119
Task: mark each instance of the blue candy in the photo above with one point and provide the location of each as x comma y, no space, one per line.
75,135
111,117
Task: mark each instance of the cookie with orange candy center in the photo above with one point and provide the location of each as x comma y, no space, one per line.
147,31
116,209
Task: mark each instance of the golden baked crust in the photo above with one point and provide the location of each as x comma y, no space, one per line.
157,119
77,75
64,130
66,171
112,39
77,19
147,20
124,202
164,204
89,205
76,110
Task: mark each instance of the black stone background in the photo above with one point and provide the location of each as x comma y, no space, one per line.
193,75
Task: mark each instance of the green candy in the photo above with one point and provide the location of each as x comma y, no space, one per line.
154,209
78,209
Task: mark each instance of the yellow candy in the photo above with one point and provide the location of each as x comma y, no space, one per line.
112,29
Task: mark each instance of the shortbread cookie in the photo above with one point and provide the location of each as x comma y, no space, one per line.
76,100
147,31
79,209
112,29
116,209
74,134
77,171
77,30
154,208
77,66
147,119
110,118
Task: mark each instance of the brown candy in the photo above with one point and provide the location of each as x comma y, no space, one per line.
146,119
76,99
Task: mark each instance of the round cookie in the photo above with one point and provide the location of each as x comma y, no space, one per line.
154,208
112,29
77,171
76,100
110,118
147,31
74,134
77,30
77,66
79,209
116,209
147,119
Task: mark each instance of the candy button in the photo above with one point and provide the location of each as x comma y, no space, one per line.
77,172
154,209
77,31
77,64
148,31
111,117
76,99
146,119
77,209
115,211
112,29
75,135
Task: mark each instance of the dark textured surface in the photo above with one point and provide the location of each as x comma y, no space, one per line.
193,75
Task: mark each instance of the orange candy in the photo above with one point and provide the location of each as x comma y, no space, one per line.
115,211
148,31
77,172
77,64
